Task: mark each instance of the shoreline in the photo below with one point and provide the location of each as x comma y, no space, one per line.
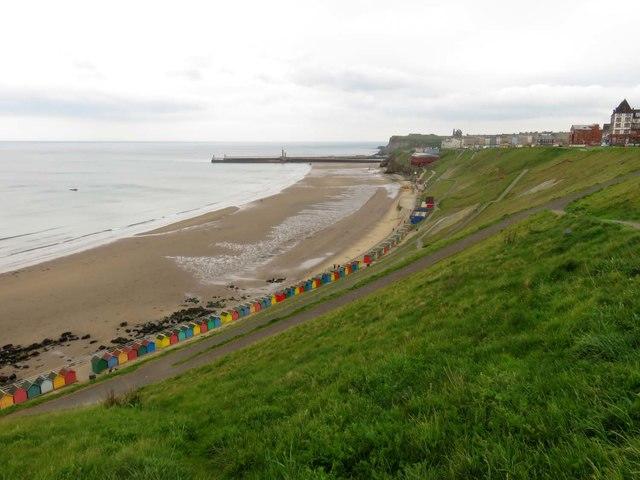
141,227
109,292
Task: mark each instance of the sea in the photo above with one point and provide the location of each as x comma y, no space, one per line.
58,198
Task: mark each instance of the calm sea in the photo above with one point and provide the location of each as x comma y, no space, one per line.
58,198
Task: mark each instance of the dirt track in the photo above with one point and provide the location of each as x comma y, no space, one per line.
196,355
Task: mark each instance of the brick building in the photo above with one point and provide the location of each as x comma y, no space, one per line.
585,135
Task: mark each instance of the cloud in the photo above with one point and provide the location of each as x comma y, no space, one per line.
356,79
93,105
192,74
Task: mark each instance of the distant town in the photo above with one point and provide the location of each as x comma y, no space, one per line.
623,129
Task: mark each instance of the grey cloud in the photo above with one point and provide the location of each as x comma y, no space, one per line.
88,105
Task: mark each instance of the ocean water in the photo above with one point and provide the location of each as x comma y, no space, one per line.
58,198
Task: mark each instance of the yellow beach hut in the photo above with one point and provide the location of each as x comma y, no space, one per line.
163,341
274,300
195,327
6,399
226,317
57,380
123,357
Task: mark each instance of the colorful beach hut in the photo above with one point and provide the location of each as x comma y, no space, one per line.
235,314
32,389
45,384
214,322
98,365
57,380
140,349
122,356
163,341
19,394
111,359
186,333
204,326
69,376
173,337
226,317
150,345
367,260
131,352
195,328
6,399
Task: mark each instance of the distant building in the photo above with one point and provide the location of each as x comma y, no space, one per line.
590,135
606,132
625,125
451,143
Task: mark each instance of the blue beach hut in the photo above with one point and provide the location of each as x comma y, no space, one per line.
33,390
188,332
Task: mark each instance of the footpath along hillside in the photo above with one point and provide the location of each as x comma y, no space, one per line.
516,357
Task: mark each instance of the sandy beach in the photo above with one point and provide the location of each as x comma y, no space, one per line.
335,213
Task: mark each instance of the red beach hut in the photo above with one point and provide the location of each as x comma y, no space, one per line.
132,353
69,376
19,394
173,337
204,327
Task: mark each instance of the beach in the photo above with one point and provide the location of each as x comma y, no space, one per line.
89,299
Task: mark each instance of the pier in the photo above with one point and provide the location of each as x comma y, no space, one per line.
284,158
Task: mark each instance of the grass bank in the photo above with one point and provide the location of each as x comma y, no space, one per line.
516,359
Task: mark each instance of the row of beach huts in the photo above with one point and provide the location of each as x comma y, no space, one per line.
27,390
106,361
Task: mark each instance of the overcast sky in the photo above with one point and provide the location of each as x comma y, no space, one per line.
311,70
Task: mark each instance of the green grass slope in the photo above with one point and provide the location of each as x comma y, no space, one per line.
621,202
517,359
472,187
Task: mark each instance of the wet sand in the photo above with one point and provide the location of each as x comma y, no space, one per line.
335,213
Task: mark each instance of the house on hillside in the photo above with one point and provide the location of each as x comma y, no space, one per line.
451,143
625,125
589,135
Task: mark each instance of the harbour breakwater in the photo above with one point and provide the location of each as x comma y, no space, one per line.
307,159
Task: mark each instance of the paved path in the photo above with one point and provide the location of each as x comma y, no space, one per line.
175,363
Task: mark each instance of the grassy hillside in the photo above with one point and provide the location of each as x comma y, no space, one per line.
413,140
621,202
473,181
517,359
